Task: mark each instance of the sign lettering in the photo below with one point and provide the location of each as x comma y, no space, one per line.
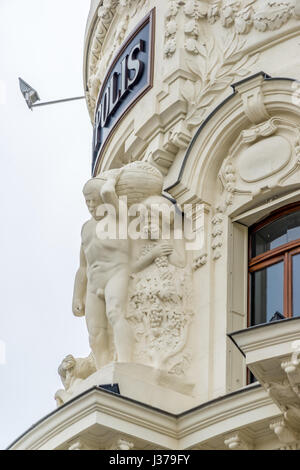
128,78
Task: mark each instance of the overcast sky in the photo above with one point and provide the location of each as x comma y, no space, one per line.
45,160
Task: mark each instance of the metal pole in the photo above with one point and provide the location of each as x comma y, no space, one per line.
58,101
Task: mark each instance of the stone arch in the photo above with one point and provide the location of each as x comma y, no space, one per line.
257,108
260,117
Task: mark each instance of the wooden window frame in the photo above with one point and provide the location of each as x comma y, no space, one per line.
283,253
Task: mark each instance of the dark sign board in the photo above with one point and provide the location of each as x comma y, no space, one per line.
128,79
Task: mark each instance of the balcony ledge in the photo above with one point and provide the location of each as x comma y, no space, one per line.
272,353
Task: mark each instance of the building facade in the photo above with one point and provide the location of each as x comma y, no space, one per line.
198,102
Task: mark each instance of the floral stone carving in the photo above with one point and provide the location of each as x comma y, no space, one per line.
160,313
215,69
239,15
160,298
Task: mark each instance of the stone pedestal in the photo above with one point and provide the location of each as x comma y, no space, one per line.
141,383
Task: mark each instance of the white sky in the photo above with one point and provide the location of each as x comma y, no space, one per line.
45,160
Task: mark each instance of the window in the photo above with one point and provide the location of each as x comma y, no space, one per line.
274,267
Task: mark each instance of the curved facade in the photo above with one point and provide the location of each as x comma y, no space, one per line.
208,94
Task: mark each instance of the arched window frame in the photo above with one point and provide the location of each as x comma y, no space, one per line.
283,253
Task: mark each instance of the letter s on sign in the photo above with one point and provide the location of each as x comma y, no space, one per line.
135,64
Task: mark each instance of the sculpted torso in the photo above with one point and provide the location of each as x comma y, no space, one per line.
104,257
101,284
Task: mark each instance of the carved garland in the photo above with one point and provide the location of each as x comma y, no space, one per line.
241,15
106,13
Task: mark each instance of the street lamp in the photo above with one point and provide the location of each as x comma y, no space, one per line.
31,96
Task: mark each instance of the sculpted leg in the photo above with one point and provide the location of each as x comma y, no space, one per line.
97,328
116,292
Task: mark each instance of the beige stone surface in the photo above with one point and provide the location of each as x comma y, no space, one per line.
225,139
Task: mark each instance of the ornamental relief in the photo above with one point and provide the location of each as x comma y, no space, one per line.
99,59
240,15
270,160
134,283
217,66
160,313
264,157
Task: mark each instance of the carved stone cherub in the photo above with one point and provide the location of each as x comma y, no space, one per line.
154,231
101,284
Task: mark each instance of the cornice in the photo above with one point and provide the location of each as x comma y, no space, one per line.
267,335
120,415
264,22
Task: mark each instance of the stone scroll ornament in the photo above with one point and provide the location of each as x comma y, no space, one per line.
133,293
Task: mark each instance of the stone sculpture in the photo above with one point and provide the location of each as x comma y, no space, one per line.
101,284
133,288
72,372
158,292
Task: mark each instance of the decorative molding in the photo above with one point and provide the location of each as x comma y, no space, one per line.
229,178
239,173
78,445
237,441
294,446
261,130
179,137
241,16
106,413
98,61
253,99
122,444
292,368
217,66
199,220
200,261
285,434
217,234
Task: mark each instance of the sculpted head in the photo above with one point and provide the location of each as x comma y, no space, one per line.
92,194
160,215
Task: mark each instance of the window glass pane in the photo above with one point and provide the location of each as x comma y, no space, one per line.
277,233
266,293
296,285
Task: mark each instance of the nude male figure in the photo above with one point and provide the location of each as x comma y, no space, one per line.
101,284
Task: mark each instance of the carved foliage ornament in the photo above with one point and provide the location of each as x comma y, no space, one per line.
246,172
240,15
218,65
98,59
263,158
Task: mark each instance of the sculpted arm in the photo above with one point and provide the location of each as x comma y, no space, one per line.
142,263
164,248
108,193
178,256
80,287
